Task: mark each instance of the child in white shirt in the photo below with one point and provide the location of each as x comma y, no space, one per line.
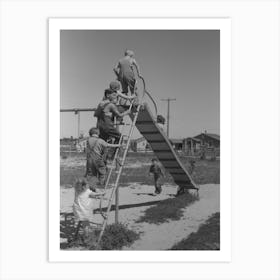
84,203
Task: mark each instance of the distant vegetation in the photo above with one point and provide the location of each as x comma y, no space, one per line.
137,168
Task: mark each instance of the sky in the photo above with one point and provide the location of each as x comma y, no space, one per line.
181,64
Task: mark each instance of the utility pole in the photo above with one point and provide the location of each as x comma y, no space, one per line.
168,111
77,112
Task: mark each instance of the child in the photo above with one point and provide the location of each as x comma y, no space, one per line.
161,122
96,151
106,121
124,72
122,98
116,89
156,170
83,206
113,90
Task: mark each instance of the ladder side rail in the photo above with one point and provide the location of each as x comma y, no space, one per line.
118,176
112,167
115,157
108,178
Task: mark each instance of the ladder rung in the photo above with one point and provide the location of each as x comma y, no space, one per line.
97,211
118,172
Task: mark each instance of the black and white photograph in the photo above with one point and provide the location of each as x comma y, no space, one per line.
140,140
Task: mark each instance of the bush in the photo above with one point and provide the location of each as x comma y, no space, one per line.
115,237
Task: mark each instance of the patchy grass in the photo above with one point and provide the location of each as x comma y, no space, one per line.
169,209
206,238
137,169
203,171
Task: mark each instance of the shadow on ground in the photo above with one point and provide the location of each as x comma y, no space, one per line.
67,222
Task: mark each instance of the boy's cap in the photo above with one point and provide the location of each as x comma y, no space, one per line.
115,86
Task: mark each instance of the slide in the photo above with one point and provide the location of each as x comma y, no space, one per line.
163,149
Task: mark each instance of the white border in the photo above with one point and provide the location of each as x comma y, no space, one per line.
57,255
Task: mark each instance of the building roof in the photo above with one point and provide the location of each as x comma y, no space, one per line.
211,135
176,140
214,136
139,139
194,139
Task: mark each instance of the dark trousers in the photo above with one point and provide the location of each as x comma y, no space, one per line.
158,184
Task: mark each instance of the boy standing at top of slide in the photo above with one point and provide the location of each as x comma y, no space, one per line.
124,72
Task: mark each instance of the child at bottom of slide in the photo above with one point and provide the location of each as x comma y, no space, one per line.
155,170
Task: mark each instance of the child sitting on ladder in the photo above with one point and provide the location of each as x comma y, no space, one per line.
115,90
84,203
155,169
122,99
106,125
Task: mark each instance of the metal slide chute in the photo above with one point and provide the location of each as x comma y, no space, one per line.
163,149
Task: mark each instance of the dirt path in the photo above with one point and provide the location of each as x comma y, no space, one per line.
134,200
164,236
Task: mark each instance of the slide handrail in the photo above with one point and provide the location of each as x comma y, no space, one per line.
146,92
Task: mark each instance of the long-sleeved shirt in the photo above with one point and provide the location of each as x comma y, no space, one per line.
156,170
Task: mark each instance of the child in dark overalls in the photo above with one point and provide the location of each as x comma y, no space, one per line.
155,169
124,72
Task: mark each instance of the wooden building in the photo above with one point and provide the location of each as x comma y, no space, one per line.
177,144
202,143
139,145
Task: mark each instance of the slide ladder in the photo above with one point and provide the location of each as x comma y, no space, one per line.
118,161
144,120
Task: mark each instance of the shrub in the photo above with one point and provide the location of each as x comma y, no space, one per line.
115,237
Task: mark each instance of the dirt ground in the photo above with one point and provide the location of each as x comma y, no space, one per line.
136,198
136,194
